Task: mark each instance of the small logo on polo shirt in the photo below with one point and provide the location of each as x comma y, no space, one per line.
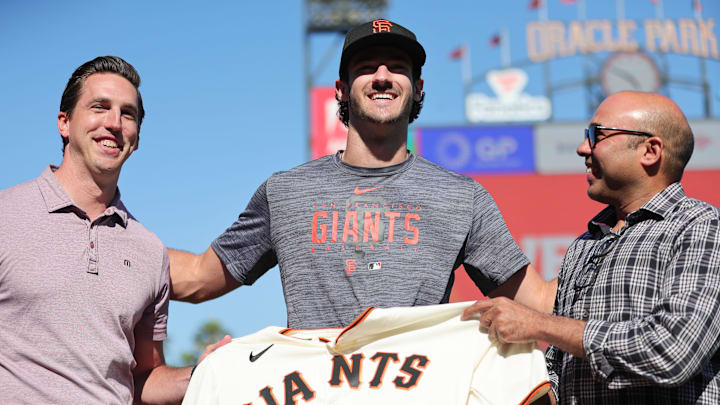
127,263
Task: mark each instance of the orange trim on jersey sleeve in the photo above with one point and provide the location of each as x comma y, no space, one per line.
288,332
355,322
542,388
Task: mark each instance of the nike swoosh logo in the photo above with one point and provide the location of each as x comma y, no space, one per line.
257,356
359,191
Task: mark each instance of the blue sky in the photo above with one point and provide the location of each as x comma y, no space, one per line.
224,95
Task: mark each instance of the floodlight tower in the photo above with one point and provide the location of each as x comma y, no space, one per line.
336,18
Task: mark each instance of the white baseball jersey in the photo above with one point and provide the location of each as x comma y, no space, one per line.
421,355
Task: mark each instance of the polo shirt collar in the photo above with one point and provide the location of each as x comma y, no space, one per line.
56,198
658,207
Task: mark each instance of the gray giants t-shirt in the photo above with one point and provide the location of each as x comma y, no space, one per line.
347,238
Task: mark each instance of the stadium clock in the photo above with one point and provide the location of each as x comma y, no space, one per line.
629,71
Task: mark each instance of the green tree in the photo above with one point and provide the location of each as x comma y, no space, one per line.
210,332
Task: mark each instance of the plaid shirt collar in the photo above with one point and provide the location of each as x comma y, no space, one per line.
658,207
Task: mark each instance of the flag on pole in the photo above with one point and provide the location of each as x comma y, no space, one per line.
697,6
458,53
655,2
462,53
535,4
568,1
495,40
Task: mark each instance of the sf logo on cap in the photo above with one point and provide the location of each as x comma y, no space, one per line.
381,26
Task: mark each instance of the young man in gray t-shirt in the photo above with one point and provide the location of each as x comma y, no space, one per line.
373,225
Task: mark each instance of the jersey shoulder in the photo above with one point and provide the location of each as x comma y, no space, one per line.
426,167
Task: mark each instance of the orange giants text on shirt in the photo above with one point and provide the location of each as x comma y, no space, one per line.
346,373
366,223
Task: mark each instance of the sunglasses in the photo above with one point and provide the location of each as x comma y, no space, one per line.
592,132
590,271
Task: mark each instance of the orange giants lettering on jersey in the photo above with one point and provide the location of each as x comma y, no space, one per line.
413,373
321,227
413,229
341,367
366,226
412,369
294,386
371,226
391,224
348,372
382,359
351,226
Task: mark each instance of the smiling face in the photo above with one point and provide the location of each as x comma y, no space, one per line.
102,129
615,165
381,88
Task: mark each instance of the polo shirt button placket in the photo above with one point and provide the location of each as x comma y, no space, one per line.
92,256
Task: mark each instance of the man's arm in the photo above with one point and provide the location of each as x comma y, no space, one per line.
197,278
683,322
528,288
246,247
509,321
490,251
157,383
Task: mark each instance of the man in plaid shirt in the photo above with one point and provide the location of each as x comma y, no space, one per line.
636,314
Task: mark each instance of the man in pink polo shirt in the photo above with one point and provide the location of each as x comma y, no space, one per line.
83,286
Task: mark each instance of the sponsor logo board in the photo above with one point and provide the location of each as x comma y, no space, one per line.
511,104
327,133
556,144
473,150
706,154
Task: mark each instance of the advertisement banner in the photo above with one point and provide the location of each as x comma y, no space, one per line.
555,146
706,154
479,150
327,133
511,104
545,213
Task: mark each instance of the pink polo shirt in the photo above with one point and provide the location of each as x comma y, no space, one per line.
74,297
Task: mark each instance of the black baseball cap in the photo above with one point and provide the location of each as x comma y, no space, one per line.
381,33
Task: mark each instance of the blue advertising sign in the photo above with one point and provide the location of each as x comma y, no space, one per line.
479,150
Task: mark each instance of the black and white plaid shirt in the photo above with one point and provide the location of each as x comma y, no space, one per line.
651,297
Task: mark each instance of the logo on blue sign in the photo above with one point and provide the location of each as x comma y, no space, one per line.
480,150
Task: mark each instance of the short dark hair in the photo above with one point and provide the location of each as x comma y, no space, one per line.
679,141
101,64
677,136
